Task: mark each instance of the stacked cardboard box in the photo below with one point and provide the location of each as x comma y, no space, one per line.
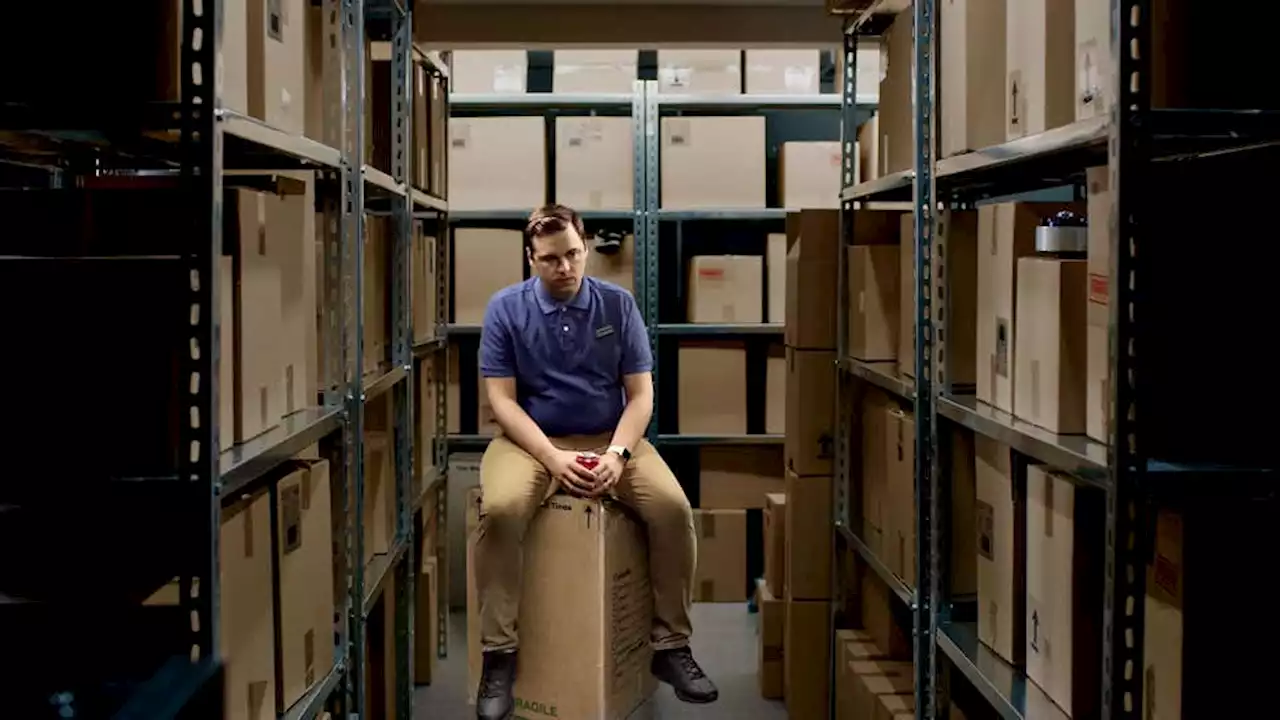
731,482
871,682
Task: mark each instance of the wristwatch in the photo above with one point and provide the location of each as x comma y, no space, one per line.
621,451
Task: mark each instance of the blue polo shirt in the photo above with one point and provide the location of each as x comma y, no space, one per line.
568,358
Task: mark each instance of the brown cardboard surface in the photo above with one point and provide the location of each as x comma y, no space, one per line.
1039,62
964,538
595,158
227,387
247,628
775,391
899,539
619,268
276,63
1098,362
775,543
896,143
1162,656
260,382
735,478
377,298
971,105
305,542
961,292
379,494
773,620
712,71
875,470
874,298
712,388
810,436
426,623
1051,352
489,71
290,223
808,538
726,289
889,640
809,174
712,162
485,260
907,309
783,72
813,240
776,269
1001,533
497,163
807,679
594,71
722,556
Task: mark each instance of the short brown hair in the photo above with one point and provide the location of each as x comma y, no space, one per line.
552,219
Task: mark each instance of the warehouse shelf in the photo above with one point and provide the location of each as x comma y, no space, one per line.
522,214
892,187
1077,455
381,384
746,439
470,440
242,464
1006,688
179,683
379,570
755,102
381,184
435,59
900,589
458,329
255,142
311,704
428,201
869,18
423,348
539,101
428,484
723,214
701,329
883,375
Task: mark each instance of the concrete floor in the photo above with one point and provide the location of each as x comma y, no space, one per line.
724,643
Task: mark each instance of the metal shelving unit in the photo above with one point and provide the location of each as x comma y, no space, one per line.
1134,140
192,141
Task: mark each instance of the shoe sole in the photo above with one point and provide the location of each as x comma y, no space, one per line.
682,697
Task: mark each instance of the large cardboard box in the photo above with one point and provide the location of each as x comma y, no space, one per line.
908,307
426,622
464,482
1039,64
586,611
808,538
713,162
776,269
806,673
874,296
961,294
378,523
711,393
721,574
899,541
726,289
1001,530
595,71
290,223
497,163
595,157
485,260
971,106
376,329
896,126
618,268
810,431
701,72
784,72
489,71
228,391
812,274
276,63
889,641
775,391
1098,362
775,542
876,411
438,126
1050,354
772,634
305,545
424,283
259,376
735,478
809,175
247,626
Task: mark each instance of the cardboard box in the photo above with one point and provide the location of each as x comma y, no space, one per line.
873,277
808,538
775,391
586,611
247,626
964,537
228,390
811,387
276,63
376,329
259,376
1039,63
971,106
868,147
489,71
304,517
713,162
735,478
896,126
772,634
618,268
426,622
806,674
809,175
700,72
485,260
379,521
1063,615
1050,350
424,281
876,409
595,160
438,126
315,81
463,496
429,369
712,383
1162,653
899,548
812,274
1093,58
961,294
1001,531
889,640
290,225
908,308
854,699
421,118
776,276
1097,338
497,163
722,556
871,687
726,289
595,71
784,72
775,543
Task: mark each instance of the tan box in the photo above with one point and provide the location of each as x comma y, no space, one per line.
964,537
908,310
713,162
854,699
497,163
899,540
1001,530
775,391
305,546
426,622
971,106
1098,364
873,277
896,126
814,239
425,283
489,71
379,522
1063,617
961,293
722,556
1050,351
1162,653
776,268
314,49
808,537
276,63
586,611
726,289
291,237
876,413
1093,58
809,175
811,387
773,621
701,72
376,330
775,542
453,392
259,377
869,150
464,494
228,390
712,383
872,689
1039,63
485,260
438,126
739,478
889,640
595,158
247,626
595,71
784,72
806,674
618,268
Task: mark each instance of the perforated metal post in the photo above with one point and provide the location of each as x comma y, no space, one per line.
648,251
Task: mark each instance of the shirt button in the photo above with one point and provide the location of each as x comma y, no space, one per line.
566,328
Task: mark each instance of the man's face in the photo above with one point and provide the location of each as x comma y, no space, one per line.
559,260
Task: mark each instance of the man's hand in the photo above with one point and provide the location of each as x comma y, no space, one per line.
609,472
564,468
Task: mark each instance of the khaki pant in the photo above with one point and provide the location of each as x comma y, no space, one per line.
514,485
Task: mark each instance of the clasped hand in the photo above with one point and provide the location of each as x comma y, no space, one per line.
574,477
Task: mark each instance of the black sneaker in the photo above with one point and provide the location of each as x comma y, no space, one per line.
495,699
678,669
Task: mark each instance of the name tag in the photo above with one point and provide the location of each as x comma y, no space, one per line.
605,331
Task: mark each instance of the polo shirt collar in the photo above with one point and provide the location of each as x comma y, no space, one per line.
548,304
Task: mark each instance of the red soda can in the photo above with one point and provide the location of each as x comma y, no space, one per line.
588,460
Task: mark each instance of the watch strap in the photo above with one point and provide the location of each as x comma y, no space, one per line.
621,451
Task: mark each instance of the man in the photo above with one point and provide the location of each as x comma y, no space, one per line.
567,368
